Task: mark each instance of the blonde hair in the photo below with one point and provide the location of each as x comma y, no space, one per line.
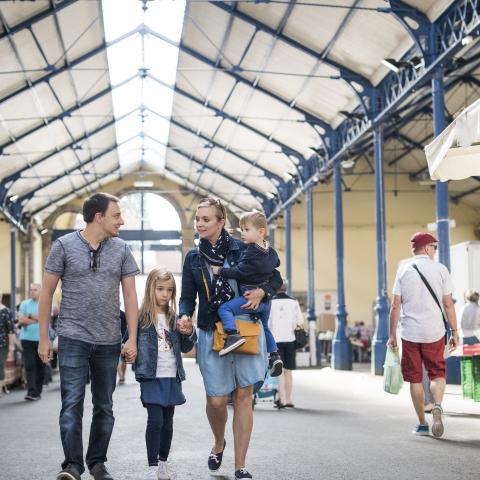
220,210
257,219
472,296
149,309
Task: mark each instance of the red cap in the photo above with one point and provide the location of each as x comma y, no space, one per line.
420,239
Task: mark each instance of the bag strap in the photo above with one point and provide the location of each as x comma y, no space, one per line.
425,281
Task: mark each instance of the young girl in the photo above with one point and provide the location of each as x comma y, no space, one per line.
159,367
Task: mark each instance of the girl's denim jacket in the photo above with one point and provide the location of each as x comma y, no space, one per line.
147,351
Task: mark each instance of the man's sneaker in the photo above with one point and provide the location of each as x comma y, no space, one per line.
33,398
275,364
163,471
421,430
242,473
100,472
437,427
233,341
152,473
69,473
215,459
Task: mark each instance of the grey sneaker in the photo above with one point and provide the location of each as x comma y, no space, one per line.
100,472
275,364
69,473
437,427
233,341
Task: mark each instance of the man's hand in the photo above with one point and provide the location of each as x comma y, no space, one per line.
129,350
392,341
45,351
254,297
215,269
185,325
453,342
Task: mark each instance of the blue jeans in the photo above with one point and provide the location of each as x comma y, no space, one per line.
78,360
229,310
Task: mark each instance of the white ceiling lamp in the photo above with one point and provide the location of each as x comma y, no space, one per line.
347,163
143,183
466,40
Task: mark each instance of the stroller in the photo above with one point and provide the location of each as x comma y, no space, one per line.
268,392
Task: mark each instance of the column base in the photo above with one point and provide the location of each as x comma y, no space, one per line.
379,350
342,354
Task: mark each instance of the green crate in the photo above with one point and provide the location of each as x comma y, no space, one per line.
476,377
466,368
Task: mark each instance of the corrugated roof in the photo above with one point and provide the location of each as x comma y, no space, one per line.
258,87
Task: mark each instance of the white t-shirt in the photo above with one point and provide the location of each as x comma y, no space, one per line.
166,362
285,316
420,318
470,319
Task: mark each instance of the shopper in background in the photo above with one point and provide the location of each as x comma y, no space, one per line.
7,342
285,317
470,318
30,336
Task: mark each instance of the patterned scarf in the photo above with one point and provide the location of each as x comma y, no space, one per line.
215,255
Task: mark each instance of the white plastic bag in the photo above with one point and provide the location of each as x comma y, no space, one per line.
392,372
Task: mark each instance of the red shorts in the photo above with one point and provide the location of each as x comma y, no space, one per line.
429,354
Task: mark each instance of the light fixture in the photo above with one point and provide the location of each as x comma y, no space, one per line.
396,65
466,40
270,195
352,115
143,184
44,231
391,64
347,163
13,198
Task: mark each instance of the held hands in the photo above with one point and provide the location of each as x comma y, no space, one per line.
185,325
254,297
129,351
45,351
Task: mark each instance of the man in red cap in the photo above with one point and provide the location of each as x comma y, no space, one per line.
422,297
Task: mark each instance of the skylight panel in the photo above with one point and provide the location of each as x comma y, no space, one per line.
147,56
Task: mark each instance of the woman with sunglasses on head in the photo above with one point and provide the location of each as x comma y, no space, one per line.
236,373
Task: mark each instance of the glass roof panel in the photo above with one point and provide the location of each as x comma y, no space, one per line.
144,55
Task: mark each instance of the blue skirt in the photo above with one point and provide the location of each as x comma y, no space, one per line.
166,392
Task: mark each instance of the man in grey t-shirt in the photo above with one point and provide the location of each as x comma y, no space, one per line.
91,265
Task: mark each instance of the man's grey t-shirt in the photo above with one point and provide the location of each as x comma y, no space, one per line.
90,306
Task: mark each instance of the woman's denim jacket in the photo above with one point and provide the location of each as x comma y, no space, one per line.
193,284
147,351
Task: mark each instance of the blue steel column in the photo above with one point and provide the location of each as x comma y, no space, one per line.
341,348
441,201
311,317
441,188
288,248
381,308
13,269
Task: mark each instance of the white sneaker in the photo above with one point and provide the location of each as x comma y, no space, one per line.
151,473
163,471
437,427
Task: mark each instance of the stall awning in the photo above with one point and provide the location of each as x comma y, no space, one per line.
455,153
